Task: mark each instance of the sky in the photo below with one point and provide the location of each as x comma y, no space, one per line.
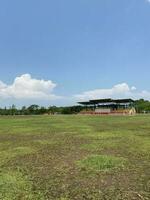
64,51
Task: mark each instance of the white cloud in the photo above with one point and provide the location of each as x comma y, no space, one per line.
133,88
25,87
122,90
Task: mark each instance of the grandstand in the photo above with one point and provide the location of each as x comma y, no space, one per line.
109,107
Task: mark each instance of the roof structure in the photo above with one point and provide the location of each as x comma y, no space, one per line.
86,103
107,102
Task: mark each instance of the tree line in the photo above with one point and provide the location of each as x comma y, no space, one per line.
37,110
142,106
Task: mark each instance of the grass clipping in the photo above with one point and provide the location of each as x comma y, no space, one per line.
101,163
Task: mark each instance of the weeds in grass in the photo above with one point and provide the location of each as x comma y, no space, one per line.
8,154
13,185
101,162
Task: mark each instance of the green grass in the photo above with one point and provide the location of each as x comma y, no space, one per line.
101,163
75,157
13,185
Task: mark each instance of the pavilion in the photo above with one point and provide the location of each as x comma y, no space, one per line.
109,106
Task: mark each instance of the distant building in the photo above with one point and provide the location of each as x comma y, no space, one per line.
109,107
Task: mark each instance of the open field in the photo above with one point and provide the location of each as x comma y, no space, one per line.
75,157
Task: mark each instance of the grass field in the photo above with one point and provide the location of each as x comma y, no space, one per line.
75,157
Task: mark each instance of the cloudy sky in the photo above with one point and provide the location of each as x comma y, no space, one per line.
60,52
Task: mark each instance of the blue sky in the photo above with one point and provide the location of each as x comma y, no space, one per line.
84,47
